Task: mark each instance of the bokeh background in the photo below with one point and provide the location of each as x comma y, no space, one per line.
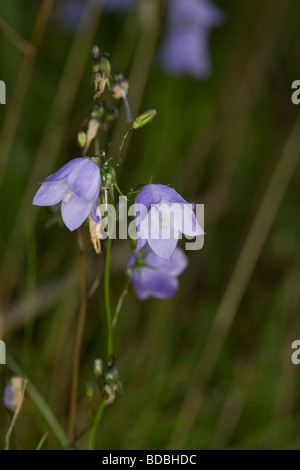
210,368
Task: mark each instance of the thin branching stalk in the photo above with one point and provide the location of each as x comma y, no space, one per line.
107,299
41,405
42,441
78,344
93,433
13,421
119,304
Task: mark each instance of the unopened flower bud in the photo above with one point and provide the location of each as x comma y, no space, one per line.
110,114
98,367
95,52
108,176
89,391
93,128
97,111
97,246
105,66
111,374
119,86
144,118
81,139
101,70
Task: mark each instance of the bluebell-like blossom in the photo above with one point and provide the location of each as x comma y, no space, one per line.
185,49
76,185
152,276
200,12
161,216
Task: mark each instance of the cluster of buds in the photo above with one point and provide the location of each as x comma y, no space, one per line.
119,88
101,71
103,74
108,380
100,118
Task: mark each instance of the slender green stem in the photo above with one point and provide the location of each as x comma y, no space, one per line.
119,190
122,145
41,443
93,433
120,303
107,299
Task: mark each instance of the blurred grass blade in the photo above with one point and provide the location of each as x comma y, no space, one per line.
237,285
13,115
41,405
24,46
41,443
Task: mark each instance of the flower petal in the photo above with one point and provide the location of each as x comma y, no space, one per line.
163,248
140,243
188,223
148,195
177,263
51,193
148,282
185,51
154,193
94,214
201,12
75,211
84,179
65,170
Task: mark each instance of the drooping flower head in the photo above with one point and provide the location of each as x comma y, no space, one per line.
200,12
76,185
152,276
185,49
161,216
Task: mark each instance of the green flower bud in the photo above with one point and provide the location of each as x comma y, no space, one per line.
117,76
89,391
98,367
111,375
95,51
97,111
81,139
110,114
96,67
105,65
144,118
108,176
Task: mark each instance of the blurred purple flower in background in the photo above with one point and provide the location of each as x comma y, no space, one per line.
68,12
152,276
118,5
77,184
8,397
185,49
161,216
